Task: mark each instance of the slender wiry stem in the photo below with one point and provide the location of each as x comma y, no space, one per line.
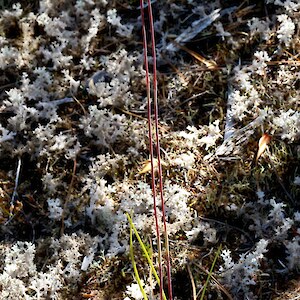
15,192
68,197
154,194
160,179
158,151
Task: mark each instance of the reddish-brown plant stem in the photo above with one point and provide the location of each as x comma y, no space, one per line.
158,151
157,146
151,150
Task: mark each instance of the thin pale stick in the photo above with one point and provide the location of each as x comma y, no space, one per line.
15,192
192,282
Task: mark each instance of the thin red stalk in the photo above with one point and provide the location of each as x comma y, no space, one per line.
158,151
154,194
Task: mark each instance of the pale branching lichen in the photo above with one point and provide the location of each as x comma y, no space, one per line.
74,139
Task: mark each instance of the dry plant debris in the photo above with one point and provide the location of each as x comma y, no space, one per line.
73,137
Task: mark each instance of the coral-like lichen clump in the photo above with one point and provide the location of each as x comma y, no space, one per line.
74,138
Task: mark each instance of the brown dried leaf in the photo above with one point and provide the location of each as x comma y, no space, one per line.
147,165
262,145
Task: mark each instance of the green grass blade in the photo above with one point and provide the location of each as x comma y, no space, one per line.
143,247
210,272
136,273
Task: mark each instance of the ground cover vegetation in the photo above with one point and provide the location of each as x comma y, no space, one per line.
74,148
